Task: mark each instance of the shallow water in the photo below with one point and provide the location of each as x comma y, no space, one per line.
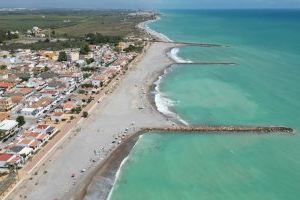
262,89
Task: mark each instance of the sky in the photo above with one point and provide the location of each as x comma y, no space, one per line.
150,4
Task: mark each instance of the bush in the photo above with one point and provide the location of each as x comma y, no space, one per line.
85,114
76,110
102,39
20,120
3,67
85,49
62,56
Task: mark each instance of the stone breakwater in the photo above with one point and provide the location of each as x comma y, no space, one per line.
222,129
208,63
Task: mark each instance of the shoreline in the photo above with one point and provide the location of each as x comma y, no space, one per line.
105,173
116,112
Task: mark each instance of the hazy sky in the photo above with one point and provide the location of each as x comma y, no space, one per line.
150,3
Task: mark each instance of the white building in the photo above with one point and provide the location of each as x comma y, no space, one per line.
8,127
73,56
29,112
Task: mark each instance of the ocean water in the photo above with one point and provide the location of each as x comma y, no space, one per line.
261,89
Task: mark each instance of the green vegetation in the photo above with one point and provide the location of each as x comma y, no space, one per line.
3,67
85,114
81,92
133,48
89,61
87,75
20,120
55,46
87,85
7,35
98,38
76,110
72,22
85,49
88,69
62,56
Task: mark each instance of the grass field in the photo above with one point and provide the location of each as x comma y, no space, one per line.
80,22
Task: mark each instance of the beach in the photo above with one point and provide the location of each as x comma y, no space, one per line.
125,109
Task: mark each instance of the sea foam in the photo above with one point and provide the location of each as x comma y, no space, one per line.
117,177
163,104
173,54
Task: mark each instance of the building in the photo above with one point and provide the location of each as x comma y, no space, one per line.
6,104
8,127
29,112
57,116
30,143
19,150
4,116
73,56
98,81
44,128
68,106
6,85
7,159
37,136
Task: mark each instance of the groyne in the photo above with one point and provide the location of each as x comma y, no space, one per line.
188,43
207,63
222,129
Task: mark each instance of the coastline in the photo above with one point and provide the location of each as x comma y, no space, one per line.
108,119
104,176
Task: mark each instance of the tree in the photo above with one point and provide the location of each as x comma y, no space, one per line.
76,110
85,49
62,56
46,69
85,114
89,61
3,67
86,75
20,120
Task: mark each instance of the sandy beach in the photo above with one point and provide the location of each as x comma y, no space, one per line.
126,109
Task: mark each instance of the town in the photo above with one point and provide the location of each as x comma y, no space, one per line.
43,91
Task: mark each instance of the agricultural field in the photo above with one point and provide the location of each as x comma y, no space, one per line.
72,23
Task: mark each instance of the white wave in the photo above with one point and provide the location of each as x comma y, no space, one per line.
145,26
163,104
117,177
173,54
120,168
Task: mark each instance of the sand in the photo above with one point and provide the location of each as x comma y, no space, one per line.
91,140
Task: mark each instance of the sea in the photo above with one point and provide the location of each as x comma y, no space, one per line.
262,88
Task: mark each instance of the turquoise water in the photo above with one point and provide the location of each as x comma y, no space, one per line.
262,89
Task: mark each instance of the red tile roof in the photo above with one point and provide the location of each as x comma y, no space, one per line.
5,156
42,126
6,85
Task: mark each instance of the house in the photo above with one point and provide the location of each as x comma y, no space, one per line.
45,129
8,127
30,143
23,151
57,116
6,85
73,56
6,104
7,159
4,116
37,136
68,106
98,81
29,112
